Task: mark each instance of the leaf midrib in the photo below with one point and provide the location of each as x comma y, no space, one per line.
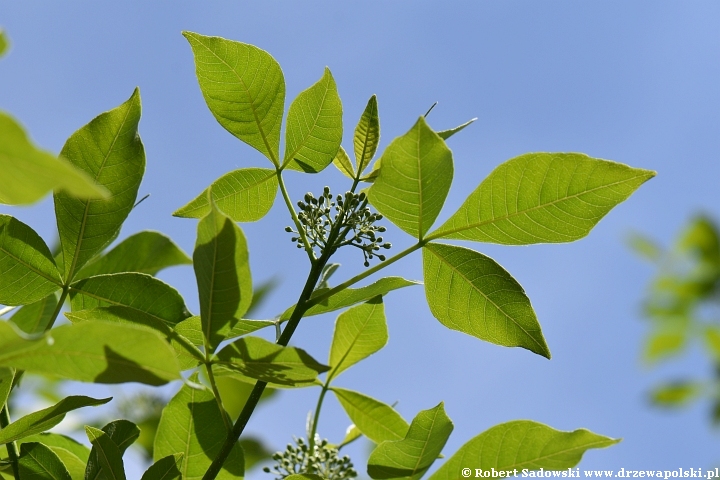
30,267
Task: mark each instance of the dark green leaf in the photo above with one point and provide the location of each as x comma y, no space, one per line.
359,332
75,467
257,358
55,440
136,291
542,198
222,271
415,178
314,127
47,418
412,456
255,451
108,454
343,163
122,434
522,444
167,468
192,424
145,252
376,420
99,352
109,150
27,269
38,462
367,135
35,317
244,89
352,296
470,292
30,173
245,195
445,134
234,394
676,394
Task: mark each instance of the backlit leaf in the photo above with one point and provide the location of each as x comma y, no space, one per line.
108,454
245,195
244,89
542,198
445,134
4,42
27,269
412,456
234,394
56,440
522,444
367,135
343,163
109,150
664,343
415,178
470,292
676,394
35,317
314,127
167,468
376,420
122,434
6,379
38,462
75,467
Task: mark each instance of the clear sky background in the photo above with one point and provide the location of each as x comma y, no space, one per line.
635,82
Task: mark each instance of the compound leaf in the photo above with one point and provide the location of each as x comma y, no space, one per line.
108,454
522,444
244,89
46,418
167,468
359,332
109,150
542,198
375,419
470,292
245,195
412,456
314,127
367,135
192,424
35,317
27,269
257,358
415,178
39,462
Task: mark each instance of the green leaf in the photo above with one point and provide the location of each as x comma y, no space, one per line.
359,332
415,178
97,352
445,134
46,418
38,462
314,127
412,456
245,195
367,135
351,434
244,89
343,163
376,420
6,379
712,341
470,292
29,173
145,252
542,198
27,269
108,454
167,468
257,358
676,394
109,150
75,467
122,434
192,424
222,271
234,394
4,43
35,317
645,247
56,440
664,343
255,451
522,444
352,296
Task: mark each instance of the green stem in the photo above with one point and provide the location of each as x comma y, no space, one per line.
291,209
12,446
216,392
55,314
316,419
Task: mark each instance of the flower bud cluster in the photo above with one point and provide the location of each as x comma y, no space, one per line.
325,461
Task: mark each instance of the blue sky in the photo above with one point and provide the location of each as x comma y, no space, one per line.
635,82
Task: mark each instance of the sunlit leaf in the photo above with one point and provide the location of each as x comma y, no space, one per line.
108,454
376,420
367,135
244,89
412,456
522,444
644,247
245,195
359,332
35,317
6,380
343,163
38,462
351,434
192,424
314,127
415,178
167,468
445,134
234,394
542,198
56,440
46,418
470,292
676,394
4,42
122,434
27,269
664,343
109,150
75,467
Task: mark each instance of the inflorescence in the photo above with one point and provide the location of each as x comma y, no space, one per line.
325,461
345,220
